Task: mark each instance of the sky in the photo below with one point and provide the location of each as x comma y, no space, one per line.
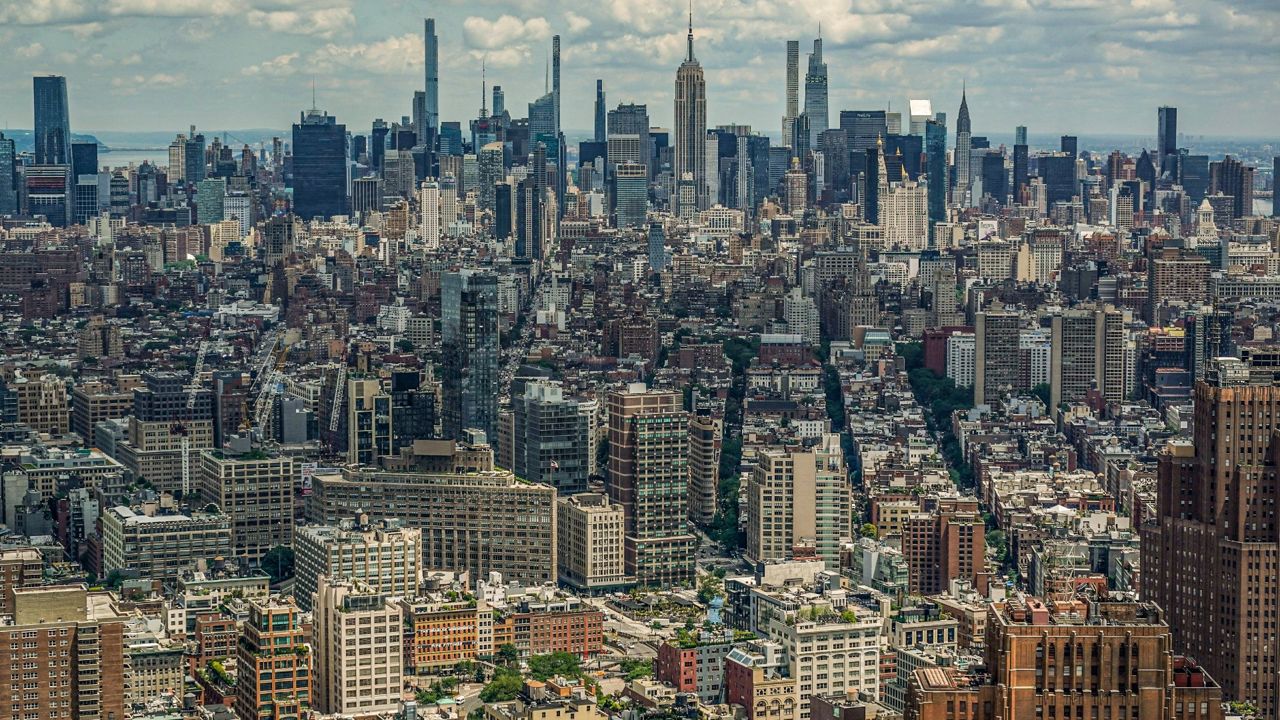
1081,66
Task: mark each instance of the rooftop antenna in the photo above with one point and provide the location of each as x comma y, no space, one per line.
484,109
690,39
313,94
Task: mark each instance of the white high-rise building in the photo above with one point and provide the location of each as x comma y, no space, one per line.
238,206
429,212
921,113
904,214
961,348
801,314
358,638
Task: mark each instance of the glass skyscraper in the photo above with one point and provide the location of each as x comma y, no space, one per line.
469,340
319,166
935,141
53,122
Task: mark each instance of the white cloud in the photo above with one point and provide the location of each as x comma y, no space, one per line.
137,83
324,22
279,66
577,23
506,30
26,52
386,57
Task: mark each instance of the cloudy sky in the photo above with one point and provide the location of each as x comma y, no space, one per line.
1087,66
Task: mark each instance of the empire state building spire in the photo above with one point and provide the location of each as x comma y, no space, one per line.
689,53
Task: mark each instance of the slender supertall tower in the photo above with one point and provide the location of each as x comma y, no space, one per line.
964,143
431,48
793,91
601,113
555,79
690,151
815,93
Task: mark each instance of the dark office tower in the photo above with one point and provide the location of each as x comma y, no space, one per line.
601,113
815,94
1209,554
871,184
1275,185
964,151
1166,139
413,409
53,121
8,184
469,341
1070,145
799,140
550,438
1059,174
194,158
994,177
935,135
1020,135
1019,171
905,151
1231,177
84,159
319,166
528,227
431,48
359,147
542,117
499,101
502,211
378,143
420,114
758,148
863,127
835,153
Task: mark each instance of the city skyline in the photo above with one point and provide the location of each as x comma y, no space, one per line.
249,63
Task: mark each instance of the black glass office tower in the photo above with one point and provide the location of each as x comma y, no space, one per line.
863,127
995,177
935,135
469,341
53,121
1059,175
319,166
1020,158
1167,139
8,186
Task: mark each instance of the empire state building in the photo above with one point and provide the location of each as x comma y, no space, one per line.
690,152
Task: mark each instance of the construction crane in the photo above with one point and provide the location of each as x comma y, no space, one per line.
339,395
184,433
272,386
263,358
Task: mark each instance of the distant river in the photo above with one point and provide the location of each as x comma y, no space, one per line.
122,158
